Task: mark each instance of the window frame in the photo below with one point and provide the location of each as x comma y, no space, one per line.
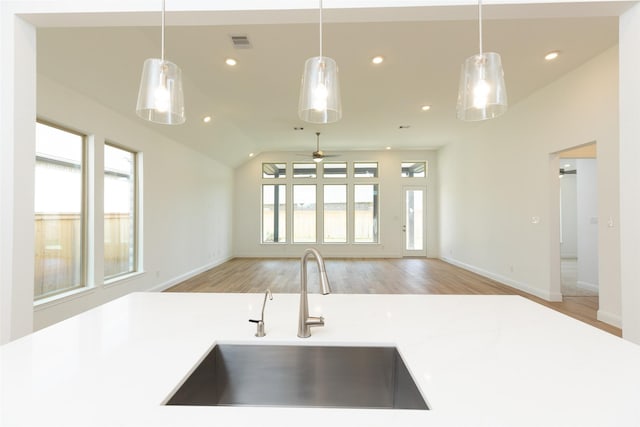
329,176
293,214
293,170
136,210
264,176
376,214
319,182
346,213
360,162
426,169
84,218
286,212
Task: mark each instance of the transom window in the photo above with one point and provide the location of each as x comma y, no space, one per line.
365,170
305,170
334,170
414,169
274,170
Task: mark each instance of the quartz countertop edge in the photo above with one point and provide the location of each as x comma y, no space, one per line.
479,360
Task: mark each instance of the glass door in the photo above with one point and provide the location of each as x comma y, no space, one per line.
414,220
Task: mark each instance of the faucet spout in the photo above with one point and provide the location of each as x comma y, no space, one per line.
304,320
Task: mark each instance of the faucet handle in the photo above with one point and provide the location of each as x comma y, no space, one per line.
314,321
260,327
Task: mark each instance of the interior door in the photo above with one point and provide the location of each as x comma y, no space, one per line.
414,221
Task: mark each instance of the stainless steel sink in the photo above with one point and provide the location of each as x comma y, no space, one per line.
308,376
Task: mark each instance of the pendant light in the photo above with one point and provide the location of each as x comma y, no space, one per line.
160,98
320,89
482,94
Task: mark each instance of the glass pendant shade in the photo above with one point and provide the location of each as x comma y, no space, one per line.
160,98
482,94
320,91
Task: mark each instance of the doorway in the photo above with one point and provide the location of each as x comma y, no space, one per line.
578,222
414,221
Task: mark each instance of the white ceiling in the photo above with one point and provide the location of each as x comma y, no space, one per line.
254,104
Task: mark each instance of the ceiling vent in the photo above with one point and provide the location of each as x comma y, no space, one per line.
240,41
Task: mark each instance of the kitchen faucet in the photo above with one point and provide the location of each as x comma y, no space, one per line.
260,323
304,320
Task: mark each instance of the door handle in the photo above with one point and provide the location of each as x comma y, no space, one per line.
404,228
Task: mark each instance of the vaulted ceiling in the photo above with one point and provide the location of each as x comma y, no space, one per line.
254,104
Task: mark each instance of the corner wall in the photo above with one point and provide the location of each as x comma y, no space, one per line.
496,211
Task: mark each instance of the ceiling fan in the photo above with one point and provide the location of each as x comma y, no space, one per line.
318,155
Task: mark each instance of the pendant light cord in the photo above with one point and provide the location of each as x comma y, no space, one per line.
480,25
320,28
162,31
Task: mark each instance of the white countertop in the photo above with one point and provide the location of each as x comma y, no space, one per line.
478,360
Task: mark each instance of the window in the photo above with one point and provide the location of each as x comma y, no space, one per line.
365,170
414,169
59,211
274,170
334,170
119,211
274,213
304,213
304,170
335,213
365,213
320,202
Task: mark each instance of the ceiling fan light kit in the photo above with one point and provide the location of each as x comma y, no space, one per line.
160,97
319,155
482,93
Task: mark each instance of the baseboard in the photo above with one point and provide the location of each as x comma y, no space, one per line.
610,318
588,286
548,296
174,281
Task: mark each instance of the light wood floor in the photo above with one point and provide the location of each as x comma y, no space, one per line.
372,276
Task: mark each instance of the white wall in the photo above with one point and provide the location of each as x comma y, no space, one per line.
569,241
17,128
629,171
587,222
186,206
495,201
248,179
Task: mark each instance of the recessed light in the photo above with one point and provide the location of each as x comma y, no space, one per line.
251,154
377,60
388,148
206,119
230,62
552,55
425,107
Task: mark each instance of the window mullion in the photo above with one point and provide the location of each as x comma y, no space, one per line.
95,211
